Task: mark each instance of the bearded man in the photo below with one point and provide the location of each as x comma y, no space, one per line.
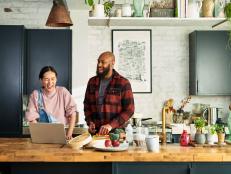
108,102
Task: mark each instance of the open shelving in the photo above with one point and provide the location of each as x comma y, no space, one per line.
160,21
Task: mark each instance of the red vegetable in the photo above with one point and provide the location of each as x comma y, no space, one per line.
107,143
115,143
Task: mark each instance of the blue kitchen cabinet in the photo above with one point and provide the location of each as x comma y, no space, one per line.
11,73
151,168
23,53
48,47
209,63
210,168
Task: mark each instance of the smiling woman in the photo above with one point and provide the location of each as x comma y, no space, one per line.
51,103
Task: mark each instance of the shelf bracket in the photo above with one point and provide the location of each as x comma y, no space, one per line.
219,23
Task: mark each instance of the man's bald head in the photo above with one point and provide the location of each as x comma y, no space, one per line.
105,64
108,55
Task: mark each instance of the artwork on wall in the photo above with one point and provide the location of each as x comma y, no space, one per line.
132,49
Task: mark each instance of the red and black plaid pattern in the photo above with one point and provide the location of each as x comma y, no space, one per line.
118,105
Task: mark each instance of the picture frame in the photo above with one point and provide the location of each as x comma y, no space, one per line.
133,53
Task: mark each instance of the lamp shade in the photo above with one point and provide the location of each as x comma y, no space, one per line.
59,15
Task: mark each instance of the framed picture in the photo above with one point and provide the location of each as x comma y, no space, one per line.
133,52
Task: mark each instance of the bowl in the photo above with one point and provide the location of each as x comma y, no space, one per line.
79,141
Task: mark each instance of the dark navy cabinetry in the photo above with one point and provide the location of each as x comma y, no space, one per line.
209,63
48,47
23,52
117,168
11,57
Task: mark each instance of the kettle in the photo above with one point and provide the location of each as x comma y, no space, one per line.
211,114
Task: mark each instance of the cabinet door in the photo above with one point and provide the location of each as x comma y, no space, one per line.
11,54
210,168
48,47
151,168
210,63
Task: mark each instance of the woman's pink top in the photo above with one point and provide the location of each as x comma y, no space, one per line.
59,104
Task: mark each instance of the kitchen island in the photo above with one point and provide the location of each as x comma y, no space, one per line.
19,155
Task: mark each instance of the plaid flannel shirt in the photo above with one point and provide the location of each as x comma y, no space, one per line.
118,105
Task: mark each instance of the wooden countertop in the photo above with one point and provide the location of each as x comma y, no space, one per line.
22,150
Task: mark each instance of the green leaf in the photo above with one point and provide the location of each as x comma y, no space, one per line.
89,2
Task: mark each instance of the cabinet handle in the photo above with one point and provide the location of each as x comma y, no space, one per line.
197,86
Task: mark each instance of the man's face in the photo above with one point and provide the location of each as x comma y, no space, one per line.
104,66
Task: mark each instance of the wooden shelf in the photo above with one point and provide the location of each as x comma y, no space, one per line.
136,21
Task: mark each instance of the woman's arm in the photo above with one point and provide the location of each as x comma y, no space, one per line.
72,119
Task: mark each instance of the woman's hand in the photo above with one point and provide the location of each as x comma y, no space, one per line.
33,121
69,135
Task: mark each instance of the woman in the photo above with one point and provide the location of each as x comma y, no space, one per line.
52,103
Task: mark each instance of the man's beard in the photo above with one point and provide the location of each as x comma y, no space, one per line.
104,73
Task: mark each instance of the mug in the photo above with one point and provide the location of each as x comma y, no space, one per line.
152,143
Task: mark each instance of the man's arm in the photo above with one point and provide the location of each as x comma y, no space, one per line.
87,110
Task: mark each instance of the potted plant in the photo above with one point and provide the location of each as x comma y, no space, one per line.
220,129
211,135
199,125
99,9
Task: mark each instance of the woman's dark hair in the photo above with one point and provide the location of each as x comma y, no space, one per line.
46,69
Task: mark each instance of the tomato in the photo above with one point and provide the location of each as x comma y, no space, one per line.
107,143
115,143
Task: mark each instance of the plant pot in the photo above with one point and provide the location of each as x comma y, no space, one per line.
221,138
98,10
210,138
200,138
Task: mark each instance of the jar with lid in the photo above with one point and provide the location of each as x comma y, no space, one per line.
126,10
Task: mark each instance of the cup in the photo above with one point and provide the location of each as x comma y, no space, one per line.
152,143
139,139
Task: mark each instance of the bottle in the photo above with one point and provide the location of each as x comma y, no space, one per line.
129,134
184,138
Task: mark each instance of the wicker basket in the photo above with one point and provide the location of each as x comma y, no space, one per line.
80,141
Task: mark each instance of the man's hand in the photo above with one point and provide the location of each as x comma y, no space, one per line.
105,129
91,128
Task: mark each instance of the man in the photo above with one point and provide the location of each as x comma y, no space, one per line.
108,102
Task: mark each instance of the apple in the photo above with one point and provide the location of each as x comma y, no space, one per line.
107,143
115,143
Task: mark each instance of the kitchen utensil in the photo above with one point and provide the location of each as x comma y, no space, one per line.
137,122
211,114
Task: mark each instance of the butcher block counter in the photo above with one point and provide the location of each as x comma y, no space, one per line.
22,150
20,156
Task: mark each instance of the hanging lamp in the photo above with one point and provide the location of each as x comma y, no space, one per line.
59,15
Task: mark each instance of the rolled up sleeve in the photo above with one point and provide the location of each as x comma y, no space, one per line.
32,108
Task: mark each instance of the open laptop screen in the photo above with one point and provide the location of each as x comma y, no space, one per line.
48,133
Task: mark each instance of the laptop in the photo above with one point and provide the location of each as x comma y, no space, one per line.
50,133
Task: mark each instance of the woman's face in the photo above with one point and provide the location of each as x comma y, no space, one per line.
49,81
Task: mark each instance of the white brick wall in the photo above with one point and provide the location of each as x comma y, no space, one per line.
169,56
170,71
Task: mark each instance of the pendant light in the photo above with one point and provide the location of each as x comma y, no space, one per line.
59,15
